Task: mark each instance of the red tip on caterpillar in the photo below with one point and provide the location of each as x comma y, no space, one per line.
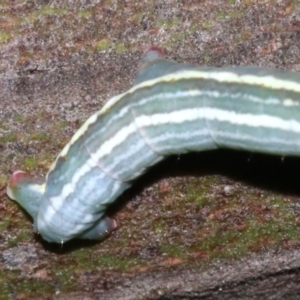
153,48
153,52
17,178
150,56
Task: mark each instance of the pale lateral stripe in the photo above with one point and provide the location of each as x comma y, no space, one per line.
250,120
194,93
100,166
135,151
238,96
175,117
58,201
143,135
129,151
121,136
178,94
107,147
144,101
221,76
224,135
165,136
115,191
92,119
185,115
232,117
240,138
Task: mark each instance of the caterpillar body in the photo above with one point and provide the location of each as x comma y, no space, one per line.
172,108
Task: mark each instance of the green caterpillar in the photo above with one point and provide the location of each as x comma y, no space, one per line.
172,108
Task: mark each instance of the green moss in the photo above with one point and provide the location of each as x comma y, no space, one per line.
173,22
33,286
3,180
193,28
201,199
242,36
51,10
44,10
84,14
66,282
112,261
7,283
218,238
5,292
222,15
4,36
159,227
8,138
224,243
86,259
4,222
235,14
30,163
206,24
19,118
2,126
137,16
173,250
198,192
61,124
120,48
178,36
47,159
168,23
207,59
39,136
218,245
24,235
161,22
103,45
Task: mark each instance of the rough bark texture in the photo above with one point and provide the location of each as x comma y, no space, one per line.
219,225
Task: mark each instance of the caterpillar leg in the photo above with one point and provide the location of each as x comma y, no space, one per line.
24,190
100,230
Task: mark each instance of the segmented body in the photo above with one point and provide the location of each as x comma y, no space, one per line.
172,109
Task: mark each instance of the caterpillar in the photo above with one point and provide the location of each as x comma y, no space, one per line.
172,108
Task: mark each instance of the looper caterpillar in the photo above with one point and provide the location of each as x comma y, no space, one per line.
172,108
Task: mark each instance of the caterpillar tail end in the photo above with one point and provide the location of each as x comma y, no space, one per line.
153,53
23,189
151,65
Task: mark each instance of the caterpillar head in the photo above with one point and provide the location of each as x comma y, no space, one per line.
29,194
26,191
